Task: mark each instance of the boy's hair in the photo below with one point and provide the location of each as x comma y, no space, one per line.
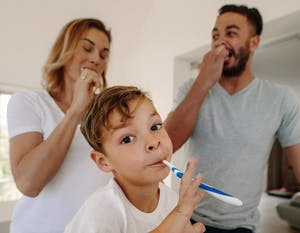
96,117
252,14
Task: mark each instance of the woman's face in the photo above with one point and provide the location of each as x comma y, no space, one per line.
91,52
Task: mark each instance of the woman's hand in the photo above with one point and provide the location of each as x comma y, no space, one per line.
86,87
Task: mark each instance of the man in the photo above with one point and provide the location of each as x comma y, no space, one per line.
231,120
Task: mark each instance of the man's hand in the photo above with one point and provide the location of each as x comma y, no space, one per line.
212,66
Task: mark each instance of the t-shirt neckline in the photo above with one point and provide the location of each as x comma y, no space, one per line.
221,90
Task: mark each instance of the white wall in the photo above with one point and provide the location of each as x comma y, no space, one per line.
147,36
28,30
175,27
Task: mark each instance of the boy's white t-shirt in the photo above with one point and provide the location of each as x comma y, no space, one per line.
109,211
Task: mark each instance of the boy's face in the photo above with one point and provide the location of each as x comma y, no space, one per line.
134,148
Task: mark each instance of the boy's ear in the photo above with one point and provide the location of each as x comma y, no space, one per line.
101,161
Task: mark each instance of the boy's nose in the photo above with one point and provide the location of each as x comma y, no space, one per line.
153,144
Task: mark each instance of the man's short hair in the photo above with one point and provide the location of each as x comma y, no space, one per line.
252,14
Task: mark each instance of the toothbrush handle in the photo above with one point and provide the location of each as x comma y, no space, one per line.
209,188
212,190
203,186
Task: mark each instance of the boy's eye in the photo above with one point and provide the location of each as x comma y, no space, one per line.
156,126
127,139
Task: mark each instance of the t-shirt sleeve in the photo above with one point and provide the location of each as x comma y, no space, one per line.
182,92
23,114
289,130
99,223
103,214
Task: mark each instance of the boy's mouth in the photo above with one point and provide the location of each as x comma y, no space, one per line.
158,162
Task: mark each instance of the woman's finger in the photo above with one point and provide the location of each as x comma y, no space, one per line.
93,81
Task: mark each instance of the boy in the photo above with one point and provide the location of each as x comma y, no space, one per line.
129,140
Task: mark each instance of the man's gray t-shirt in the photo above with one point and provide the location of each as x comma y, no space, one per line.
232,140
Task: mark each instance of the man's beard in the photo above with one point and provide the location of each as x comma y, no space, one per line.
242,57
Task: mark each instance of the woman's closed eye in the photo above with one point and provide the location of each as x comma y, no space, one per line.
88,48
127,139
104,54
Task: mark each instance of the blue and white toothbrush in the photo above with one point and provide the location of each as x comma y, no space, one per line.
207,188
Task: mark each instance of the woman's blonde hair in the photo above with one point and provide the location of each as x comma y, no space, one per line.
63,49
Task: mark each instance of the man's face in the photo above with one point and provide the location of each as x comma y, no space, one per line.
241,58
234,32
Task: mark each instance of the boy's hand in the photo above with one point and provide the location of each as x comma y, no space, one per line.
195,228
178,221
189,196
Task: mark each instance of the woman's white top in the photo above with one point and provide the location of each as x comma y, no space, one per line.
77,178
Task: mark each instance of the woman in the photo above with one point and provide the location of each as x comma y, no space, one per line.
49,156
